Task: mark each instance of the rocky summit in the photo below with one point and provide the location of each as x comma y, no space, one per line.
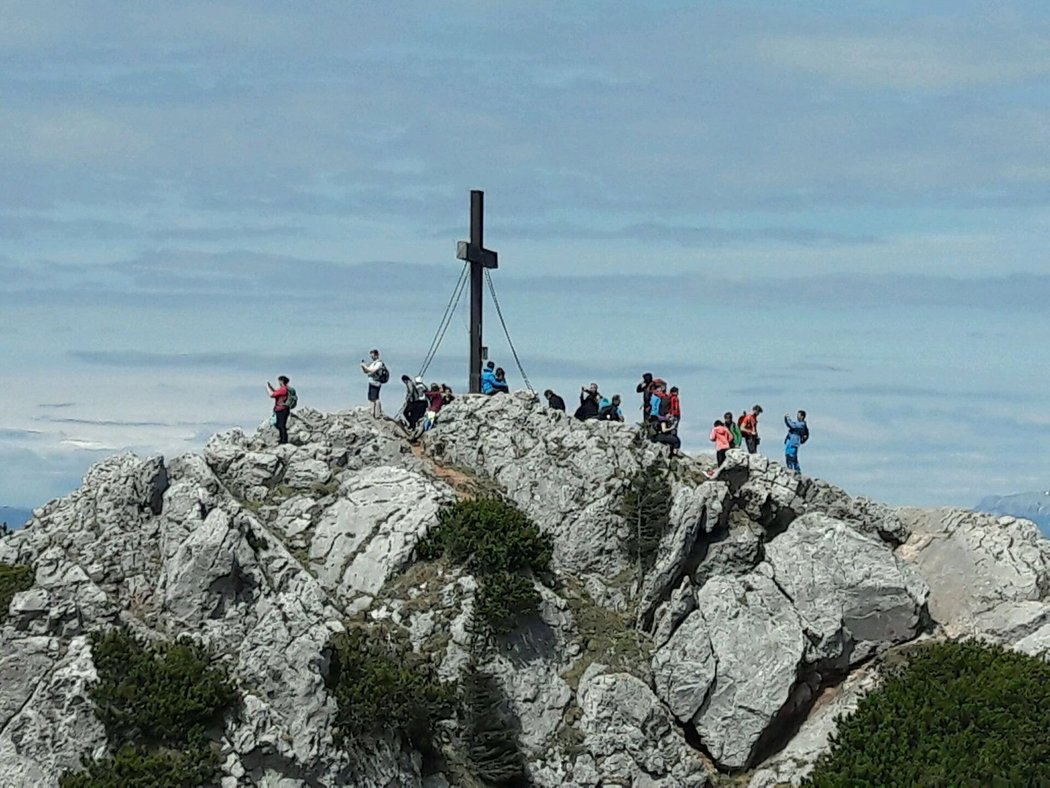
765,608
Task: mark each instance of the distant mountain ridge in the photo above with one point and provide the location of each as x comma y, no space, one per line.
14,517
1034,506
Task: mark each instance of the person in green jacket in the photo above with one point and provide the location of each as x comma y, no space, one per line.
734,430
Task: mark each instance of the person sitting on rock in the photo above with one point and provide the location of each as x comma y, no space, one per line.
446,394
722,438
435,399
609,409
281,410
798,433
488,378
590,400
500,384
667,438
554,402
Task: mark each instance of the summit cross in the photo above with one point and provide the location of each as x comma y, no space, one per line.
480,258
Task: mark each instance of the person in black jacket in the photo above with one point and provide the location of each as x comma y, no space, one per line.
554,402
645,388
590,400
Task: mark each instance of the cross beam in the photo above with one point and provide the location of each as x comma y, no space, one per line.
480,258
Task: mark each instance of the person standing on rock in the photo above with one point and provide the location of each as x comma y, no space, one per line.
734,430
645,388
749,428
722,438
280,407
377,375
798,433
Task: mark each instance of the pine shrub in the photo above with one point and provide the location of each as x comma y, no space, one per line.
380,684
156,693
13,579
502,548
966,714
489,731
156,702
646,507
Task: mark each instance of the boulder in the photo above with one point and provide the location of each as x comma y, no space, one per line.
854,596
988,575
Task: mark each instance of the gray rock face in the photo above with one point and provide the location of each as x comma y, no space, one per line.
854,596
566,474
988,575
767,590
630,736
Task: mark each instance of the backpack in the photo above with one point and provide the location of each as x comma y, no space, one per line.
804,435
383,375
665,405
292,399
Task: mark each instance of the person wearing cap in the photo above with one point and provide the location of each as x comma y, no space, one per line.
415,402
749,428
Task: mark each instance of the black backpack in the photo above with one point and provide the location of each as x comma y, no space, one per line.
804,435
383,375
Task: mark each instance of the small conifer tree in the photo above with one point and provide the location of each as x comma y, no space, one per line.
489,733
646,506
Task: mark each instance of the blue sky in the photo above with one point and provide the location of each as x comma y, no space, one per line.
838,207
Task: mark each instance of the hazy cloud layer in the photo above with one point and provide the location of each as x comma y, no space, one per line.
845,209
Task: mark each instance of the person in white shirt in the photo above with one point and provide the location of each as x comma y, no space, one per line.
377,376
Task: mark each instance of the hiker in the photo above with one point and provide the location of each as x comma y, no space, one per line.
645,388
749,428
415,401
488,378
435,399
674,408
446,394
590,400
659,404
734,430
609,409
500,384
798,433
377,374
280,407
722,438
554,402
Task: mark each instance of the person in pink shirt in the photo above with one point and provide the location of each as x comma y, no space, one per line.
280,407
723,439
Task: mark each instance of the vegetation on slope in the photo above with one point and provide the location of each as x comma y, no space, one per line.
13,578
157,702
646,507
956,714
502,548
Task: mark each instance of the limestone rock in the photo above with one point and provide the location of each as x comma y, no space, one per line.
630,736
854,596
757,640
988,575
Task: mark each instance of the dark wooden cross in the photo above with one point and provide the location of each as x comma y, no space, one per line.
480,258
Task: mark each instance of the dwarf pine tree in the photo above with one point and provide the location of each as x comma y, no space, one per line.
489,734
646,506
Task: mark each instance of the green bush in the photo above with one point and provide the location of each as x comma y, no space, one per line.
380,684
488,535
489,731
13,578
163,693
134,767
156,702
956,714
502,601
500,546
646,507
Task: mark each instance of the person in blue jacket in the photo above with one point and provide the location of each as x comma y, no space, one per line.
798,433
488,378
609,409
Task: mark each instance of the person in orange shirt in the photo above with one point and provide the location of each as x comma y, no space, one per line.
723,439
